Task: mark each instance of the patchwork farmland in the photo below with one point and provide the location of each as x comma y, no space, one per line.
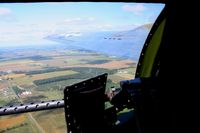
30,77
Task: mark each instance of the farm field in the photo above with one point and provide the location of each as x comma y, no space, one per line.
17,123
52,74
43,76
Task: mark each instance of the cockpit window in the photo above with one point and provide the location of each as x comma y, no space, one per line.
45,47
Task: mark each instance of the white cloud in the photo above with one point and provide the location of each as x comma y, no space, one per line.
5,11
23,33
6,15
136,9
111,27
72,20
106,26
75,24
78,20
91,18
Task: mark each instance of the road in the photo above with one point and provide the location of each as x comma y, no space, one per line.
36,123
29,114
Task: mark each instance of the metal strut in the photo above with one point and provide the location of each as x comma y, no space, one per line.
37,106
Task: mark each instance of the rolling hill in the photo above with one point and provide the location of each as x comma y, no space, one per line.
123,44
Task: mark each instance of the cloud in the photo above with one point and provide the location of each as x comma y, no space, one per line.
136,9
6,15
76,21
72,20
5,11
91,18
112,27
105,26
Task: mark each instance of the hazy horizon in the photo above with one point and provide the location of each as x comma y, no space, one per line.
29,23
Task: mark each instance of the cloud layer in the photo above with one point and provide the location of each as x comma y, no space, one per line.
136,9
5,11
75,21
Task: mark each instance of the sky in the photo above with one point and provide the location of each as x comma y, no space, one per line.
29,23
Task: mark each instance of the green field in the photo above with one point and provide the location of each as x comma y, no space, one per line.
13,62
52,121
47,82
52,74
17,123
22,81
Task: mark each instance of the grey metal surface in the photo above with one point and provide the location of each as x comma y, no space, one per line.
37,106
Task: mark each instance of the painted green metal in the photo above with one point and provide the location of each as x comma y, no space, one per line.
151,52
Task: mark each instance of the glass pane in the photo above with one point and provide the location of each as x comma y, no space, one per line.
47,46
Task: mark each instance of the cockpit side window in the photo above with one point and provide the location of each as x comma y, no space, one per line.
45,47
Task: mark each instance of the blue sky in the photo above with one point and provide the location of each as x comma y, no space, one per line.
28,23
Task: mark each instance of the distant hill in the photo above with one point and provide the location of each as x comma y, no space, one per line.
123,44
138,31
148,26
